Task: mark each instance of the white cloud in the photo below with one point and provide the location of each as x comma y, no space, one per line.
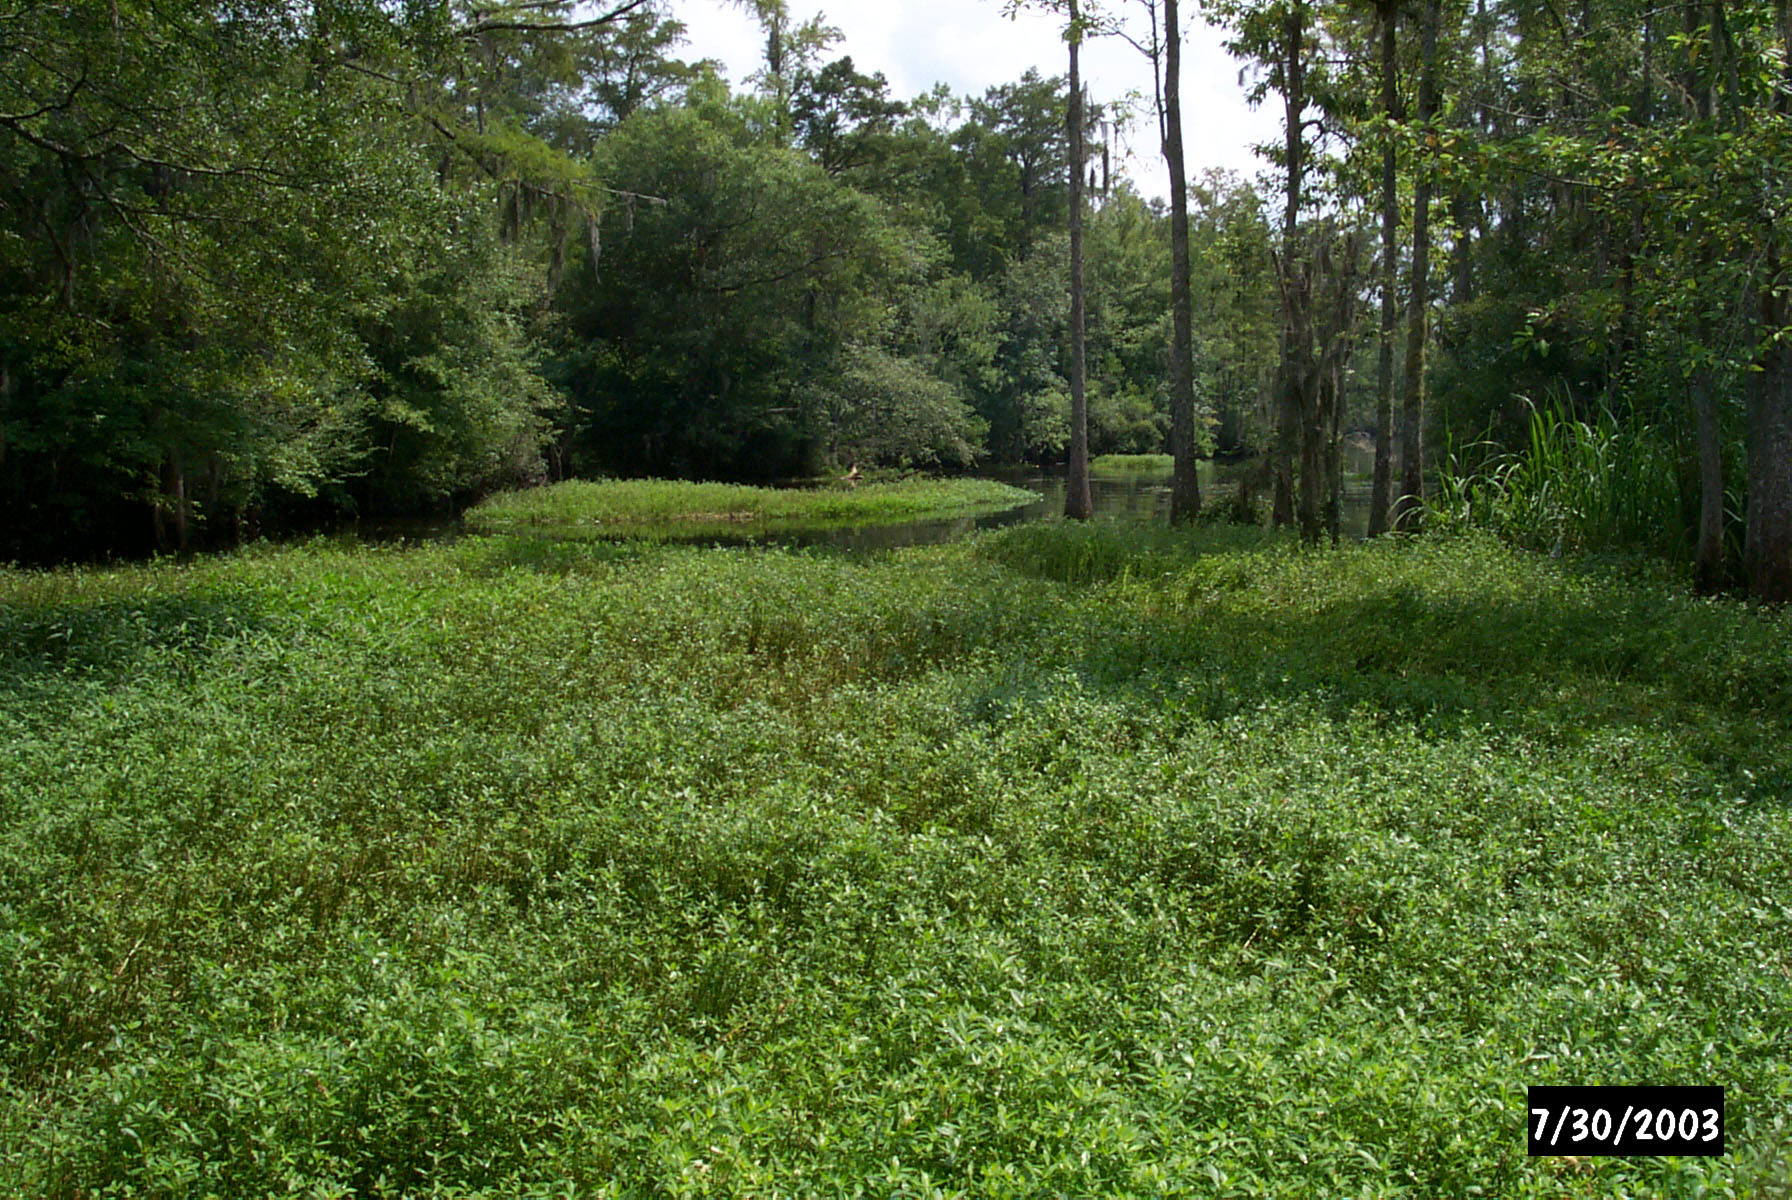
971,46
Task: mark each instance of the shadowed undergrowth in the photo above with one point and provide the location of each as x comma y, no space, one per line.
1099,860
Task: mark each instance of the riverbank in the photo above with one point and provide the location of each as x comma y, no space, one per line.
675,508
1127,465
1099,860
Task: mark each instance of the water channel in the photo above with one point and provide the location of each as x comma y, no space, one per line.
1119,497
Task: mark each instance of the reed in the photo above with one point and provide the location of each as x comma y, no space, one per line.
1574,486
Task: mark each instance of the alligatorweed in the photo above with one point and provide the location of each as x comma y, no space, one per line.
659,508
1094,860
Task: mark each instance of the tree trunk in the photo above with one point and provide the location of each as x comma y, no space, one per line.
1312,452
1287,437
1328,308
1408,507
1185,489
1709,560
1767,544
1381,494
1334,458
1767,549
174,493
1079,500
1465,215
1296,318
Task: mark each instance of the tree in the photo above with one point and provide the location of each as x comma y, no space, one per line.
1127,251
1276,34
1239,325
190,244
275,259
1382,485
1409,505
1015,153
714,331
1185,492
1767,547
791,51
844,118
1079,501
1026,400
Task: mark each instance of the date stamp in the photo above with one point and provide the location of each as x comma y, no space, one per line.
1598,1121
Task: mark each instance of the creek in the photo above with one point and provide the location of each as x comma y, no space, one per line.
1130,496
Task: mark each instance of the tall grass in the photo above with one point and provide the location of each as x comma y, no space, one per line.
643,506
1574,486
1129,466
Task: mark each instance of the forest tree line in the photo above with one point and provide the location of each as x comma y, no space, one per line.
270,265
1567,221
267,264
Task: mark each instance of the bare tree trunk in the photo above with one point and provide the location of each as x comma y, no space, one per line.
1334,459
1185,488
1079,500
1408,507
1708,568
1287,437
1381,494
1767,548
1296,320
1708,559
1311,510
1767,544
174,501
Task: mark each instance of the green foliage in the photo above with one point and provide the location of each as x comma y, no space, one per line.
727,291
1575,486
457,406
1015,153
271,267
1237,322
889,409
513,867
253,263
632,507
844,118
1128,325
188,233
1129,465
1027,402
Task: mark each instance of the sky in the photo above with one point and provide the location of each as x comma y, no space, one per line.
971,46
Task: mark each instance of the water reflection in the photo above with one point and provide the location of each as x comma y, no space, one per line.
1145,497
1133,496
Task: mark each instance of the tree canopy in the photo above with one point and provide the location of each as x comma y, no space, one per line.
270,265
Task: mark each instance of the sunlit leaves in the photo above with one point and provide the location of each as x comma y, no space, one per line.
1105,860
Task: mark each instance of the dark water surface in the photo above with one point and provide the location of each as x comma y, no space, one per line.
1127,496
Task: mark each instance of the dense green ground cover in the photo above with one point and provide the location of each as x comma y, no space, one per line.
673,508
1080,861
1130,465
